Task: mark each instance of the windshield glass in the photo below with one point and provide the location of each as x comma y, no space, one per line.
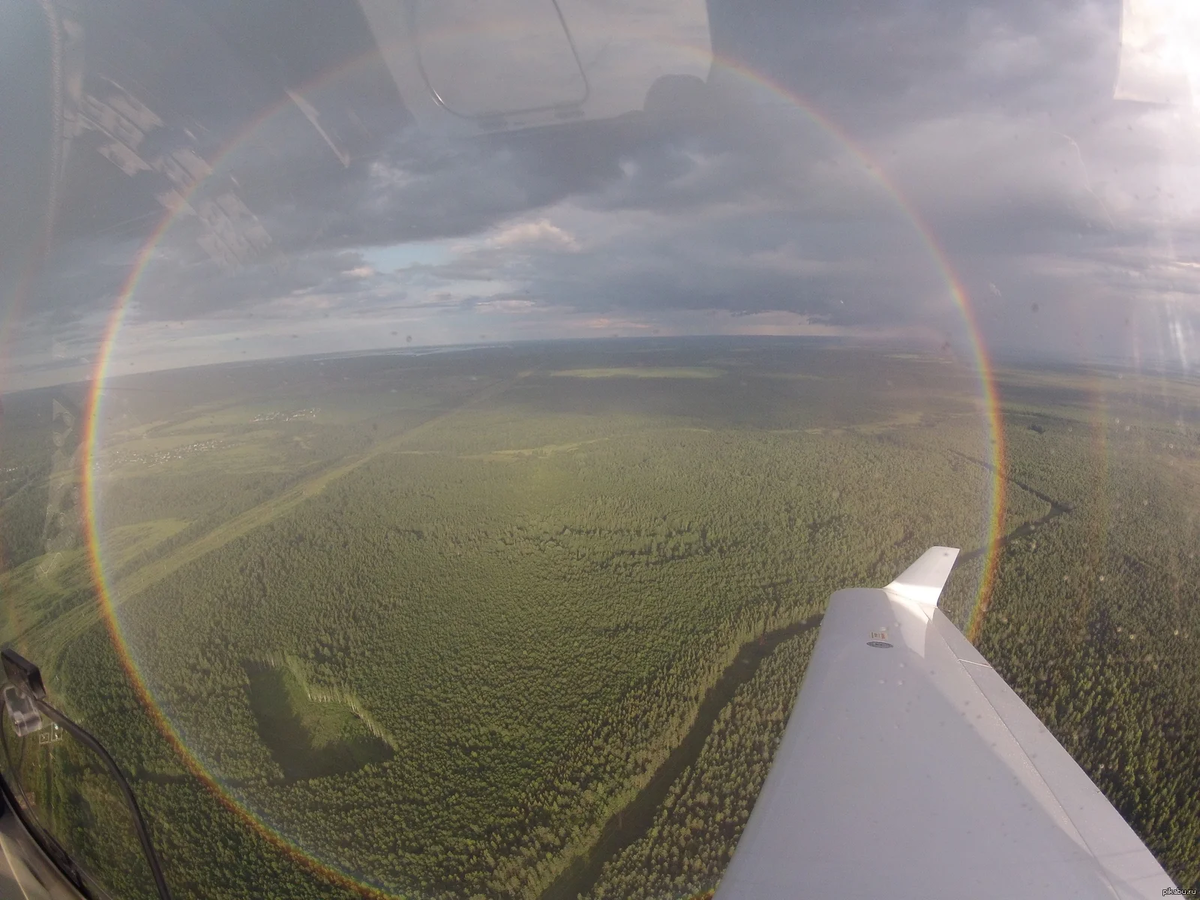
431,432
73,805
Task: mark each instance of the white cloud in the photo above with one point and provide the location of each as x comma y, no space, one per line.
541,233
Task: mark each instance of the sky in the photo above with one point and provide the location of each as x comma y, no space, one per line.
279,193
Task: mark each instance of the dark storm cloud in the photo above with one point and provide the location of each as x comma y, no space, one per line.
312,209
996,122
874,64
772,260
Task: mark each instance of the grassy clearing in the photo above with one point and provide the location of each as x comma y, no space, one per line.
121,545
309,737
643,372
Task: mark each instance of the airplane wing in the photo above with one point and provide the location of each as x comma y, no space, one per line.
909,769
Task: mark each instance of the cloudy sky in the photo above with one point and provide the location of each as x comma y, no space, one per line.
280,194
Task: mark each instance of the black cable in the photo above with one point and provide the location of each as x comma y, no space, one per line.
49,845
139,823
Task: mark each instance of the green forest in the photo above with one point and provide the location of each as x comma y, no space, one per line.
432,626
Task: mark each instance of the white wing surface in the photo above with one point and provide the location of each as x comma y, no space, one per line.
909,769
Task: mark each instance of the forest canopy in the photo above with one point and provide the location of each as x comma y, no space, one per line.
425,625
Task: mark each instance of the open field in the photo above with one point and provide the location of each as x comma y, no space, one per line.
440,621
643,372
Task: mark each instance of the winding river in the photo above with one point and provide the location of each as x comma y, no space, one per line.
635,818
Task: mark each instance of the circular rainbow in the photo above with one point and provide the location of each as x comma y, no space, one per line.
996,461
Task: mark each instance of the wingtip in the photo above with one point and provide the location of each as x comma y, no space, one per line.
922,582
